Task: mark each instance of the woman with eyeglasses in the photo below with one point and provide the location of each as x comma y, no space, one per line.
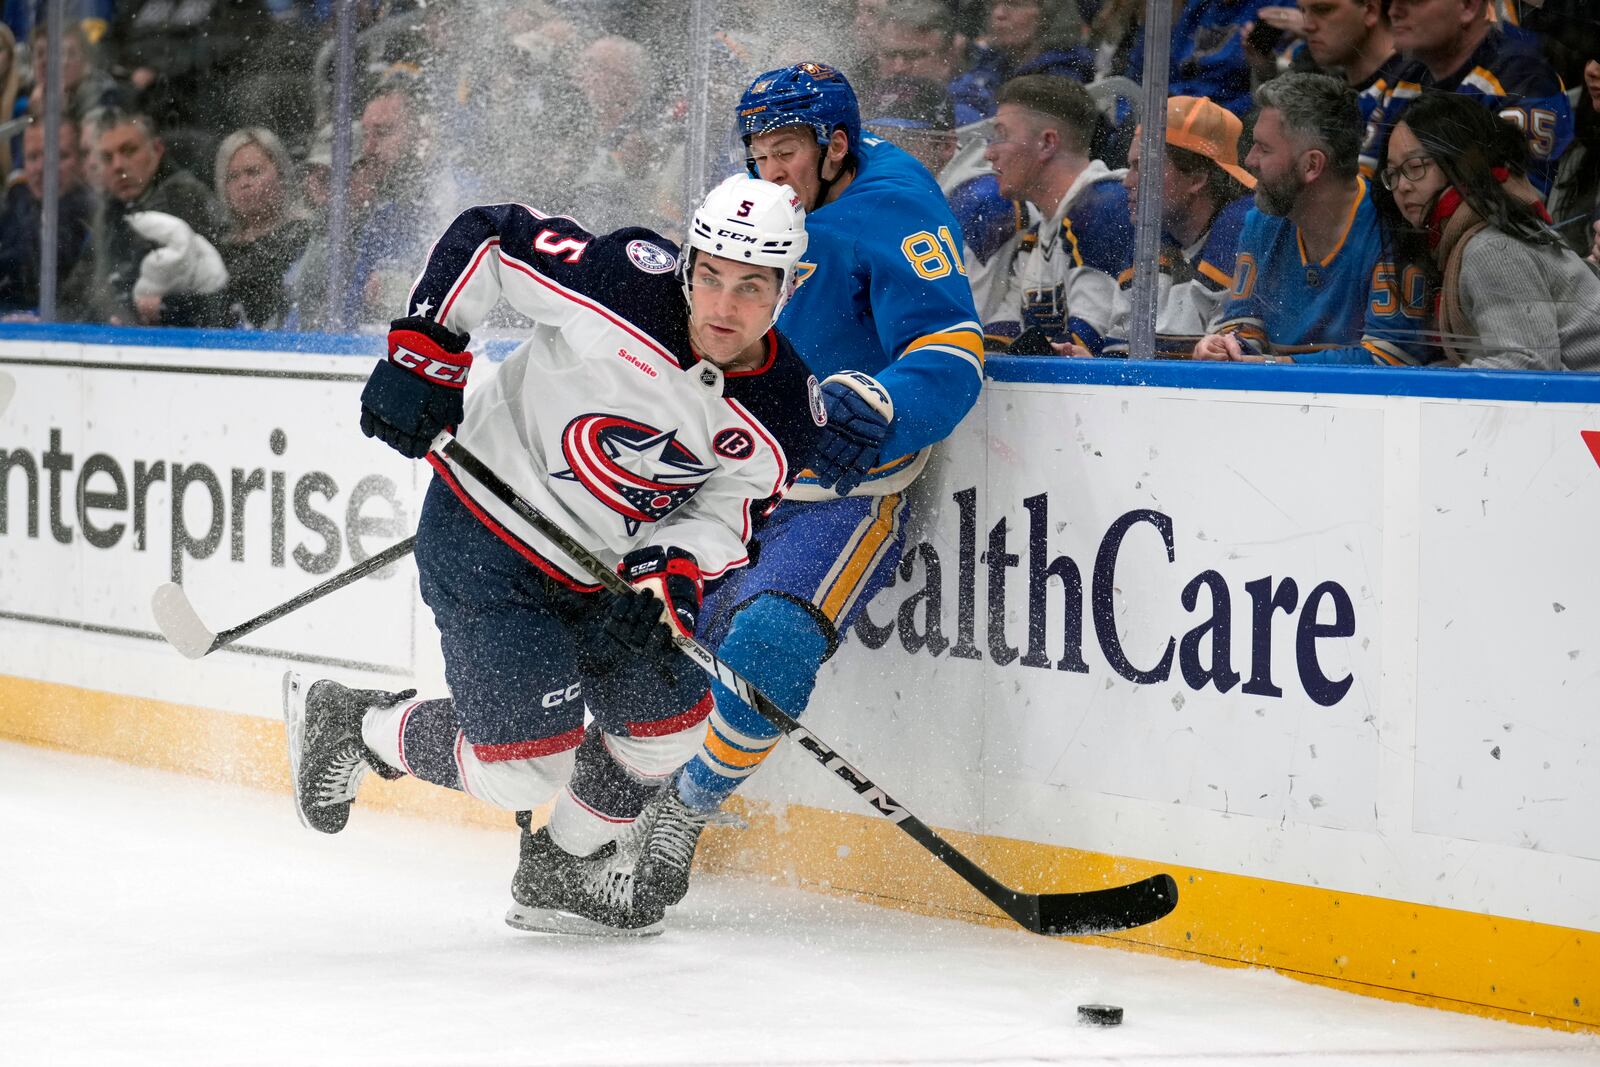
1509,292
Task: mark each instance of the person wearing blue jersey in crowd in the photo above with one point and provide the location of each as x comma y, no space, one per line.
1063,270
1352,38
1205,198
1453,47
1023,37
1314,281
1208,51
884,317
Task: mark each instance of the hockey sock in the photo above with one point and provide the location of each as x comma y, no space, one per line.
776,644
601,800
417,737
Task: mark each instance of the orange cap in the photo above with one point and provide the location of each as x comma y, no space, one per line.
1204,126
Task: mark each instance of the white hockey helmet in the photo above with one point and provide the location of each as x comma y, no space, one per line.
750,221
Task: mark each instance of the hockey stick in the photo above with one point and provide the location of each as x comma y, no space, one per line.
180,624
1095,911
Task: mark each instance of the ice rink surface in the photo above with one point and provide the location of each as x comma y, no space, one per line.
148,918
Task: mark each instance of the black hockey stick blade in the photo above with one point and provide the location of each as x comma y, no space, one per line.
181,625
1095,911
1105,911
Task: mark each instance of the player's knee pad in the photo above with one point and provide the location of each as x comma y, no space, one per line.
655,758
777,643
516,784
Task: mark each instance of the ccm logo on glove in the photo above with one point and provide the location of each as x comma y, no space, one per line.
448,371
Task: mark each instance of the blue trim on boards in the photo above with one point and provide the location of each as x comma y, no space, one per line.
309,344
1572,388
1445,382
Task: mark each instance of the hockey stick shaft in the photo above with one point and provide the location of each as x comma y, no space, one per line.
1070,913
181,625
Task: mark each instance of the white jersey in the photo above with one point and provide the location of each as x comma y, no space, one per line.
604,418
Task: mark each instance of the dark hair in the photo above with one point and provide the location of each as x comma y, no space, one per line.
1322,109
1063,101
1221,187
1468,142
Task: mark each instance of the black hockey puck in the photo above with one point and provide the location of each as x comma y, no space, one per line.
1100,1014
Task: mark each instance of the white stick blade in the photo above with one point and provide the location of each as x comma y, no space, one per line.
8,386
179,623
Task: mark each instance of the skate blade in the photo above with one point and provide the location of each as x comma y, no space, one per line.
294,721
555,921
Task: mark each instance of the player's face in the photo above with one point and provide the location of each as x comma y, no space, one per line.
1424,26
1334,29
730,310
1013,151
789,156
1275,161
1414,196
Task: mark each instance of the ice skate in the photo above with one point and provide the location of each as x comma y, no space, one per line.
327,758
667,850
558,893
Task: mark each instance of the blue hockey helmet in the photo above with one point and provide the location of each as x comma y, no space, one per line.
806,94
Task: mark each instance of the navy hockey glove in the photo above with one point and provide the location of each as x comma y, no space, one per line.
665,600
417,391
859,412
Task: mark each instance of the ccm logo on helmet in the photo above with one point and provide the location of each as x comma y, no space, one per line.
436,370
732,236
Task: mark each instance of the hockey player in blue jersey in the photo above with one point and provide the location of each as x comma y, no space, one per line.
884,317
656,415
1313,281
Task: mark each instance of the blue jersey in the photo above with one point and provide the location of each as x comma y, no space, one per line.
1507,74
1371,96
1208,54
1350,305
882,289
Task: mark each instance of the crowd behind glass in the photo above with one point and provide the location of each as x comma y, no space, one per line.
1367,182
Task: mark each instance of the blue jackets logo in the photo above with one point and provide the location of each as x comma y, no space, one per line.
641,473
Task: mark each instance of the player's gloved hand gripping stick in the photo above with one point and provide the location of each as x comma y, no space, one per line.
1095,911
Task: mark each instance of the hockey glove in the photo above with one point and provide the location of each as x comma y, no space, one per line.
859,412
417,391
665,600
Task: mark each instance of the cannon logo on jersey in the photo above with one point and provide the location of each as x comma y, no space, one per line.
651,258
638,471
734,443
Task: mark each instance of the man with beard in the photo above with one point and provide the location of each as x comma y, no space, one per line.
1311,274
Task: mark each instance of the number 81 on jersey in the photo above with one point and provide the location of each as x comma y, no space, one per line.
927,258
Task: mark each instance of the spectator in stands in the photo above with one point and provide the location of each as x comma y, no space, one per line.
1454,47
1205,198
1575,197
90,127
618,80
187,60
10,86
1208,51
919,45
393,185
1312,283
19,219
268,227
87,86
1024,37
140,179
1511,293
1352,38
1062,275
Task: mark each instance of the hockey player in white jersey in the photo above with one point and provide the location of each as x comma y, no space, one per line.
656,413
